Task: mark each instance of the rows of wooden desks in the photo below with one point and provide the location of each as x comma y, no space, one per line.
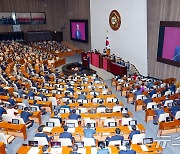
153,148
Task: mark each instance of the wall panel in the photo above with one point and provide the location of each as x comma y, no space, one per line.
160,10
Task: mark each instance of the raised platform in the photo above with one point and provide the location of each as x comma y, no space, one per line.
78,68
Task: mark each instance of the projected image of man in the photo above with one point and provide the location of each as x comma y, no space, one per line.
77,33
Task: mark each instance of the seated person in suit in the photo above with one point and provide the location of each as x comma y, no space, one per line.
66,134
101,104
2,111
12,101
2,91
134,131
167,98
115,137
25,101
43,111
25,116
73,115
31,93
88,132
56,115
127,151
153,91
82,96
137,92
41,94
70,89
97,78
147,100
173,87
175,108
102,149
41,134
75,149
158,112
21,92
58,107
149,84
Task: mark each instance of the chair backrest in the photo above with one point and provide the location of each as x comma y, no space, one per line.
72,121
89,141
82,109
117,108
66,109
163,117
117,142
53,100
89,121
139,97
168,102
56,121
177,90
41,140
150,105
101,109
154,95
34,89
125,121
168,93
177,116
95,100
37,108
16,94
138,138
110,99
7,118
3,138
65,142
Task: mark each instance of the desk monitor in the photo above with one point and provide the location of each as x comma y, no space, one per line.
133,122
71,125
20,107
154,107
101,142
33,109
79,144
50,124
168,119
169,104
93,125
15,121
124,110
33,143
62,111
125,142
55,144
112,124
109,110
147,141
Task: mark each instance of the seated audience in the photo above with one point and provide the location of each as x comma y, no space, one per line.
75,149
88,132
134,131
158,112
41,134
25,101
128,150
73,115
25,116
66,134
174,109
102,149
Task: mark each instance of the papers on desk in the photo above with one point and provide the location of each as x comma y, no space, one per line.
47,129
144,148
56,150
34,150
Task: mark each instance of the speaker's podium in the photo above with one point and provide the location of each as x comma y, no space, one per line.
85,60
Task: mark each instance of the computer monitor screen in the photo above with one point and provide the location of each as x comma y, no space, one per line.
33,143
33,109
168,119
112,124
125,142
49,124
55,144
147,140
109,110
133,122
79,144
93,125
15,121
62,111
101,142
71,125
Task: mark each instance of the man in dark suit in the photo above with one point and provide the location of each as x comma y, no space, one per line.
31,93
66,134
73,115
77,33
25,116
158,112
134,131
41,134
88,132
174,109
115,137
2,111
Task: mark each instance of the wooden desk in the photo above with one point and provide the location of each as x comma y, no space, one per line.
152,148
13,129
2,148
139,104
169,127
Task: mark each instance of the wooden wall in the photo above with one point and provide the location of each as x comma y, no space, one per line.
58,13
160,10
